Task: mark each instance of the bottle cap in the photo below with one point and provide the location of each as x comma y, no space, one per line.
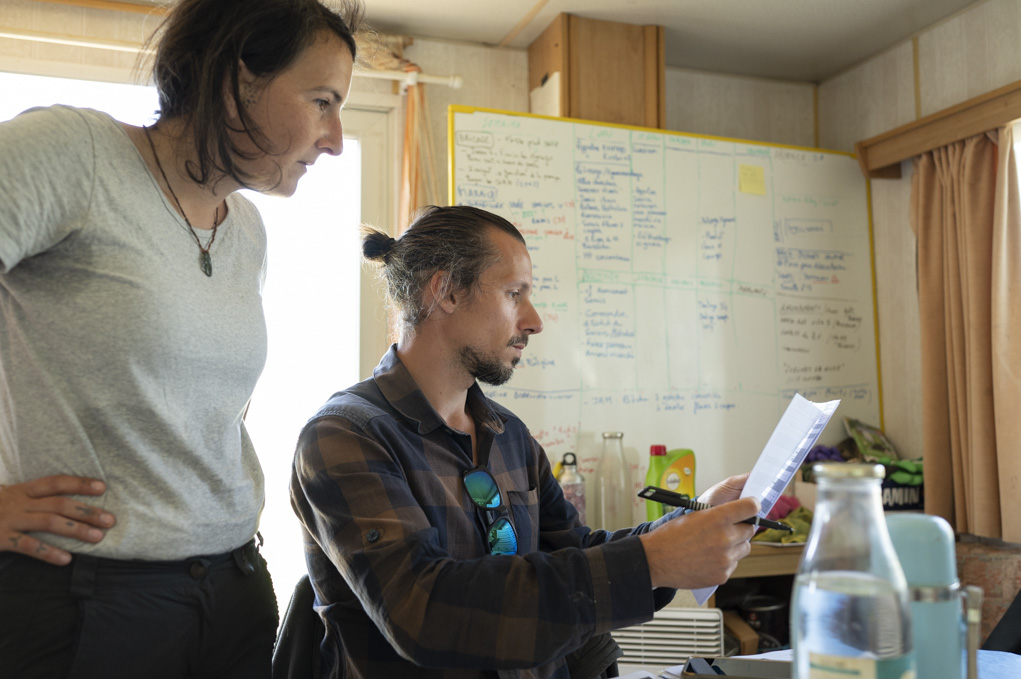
613,434
569,460
657,450
847,470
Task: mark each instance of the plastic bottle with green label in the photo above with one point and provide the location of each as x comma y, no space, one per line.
658,463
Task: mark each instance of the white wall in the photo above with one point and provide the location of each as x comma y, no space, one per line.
972,53
975,52
867,100
772,111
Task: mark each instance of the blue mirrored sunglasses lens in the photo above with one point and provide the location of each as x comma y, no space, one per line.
502,538
483,489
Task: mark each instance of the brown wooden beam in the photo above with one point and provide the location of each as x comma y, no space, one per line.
655,77
880,156
115,5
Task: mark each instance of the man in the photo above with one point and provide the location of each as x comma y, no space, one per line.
438,542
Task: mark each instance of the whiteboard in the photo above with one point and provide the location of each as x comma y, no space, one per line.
689,286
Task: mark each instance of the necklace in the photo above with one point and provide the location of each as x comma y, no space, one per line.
205,261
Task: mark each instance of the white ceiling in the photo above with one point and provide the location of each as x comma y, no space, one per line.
804,40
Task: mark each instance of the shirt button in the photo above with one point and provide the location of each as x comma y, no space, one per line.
372,535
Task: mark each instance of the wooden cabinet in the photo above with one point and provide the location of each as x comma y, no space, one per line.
600,70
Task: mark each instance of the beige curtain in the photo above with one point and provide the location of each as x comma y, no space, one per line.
419,183
1006,318
964,212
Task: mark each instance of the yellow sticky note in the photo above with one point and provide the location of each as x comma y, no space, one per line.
752,179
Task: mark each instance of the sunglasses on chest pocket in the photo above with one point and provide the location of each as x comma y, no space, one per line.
485,494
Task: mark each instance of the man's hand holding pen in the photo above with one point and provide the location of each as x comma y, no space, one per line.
702,549
676,500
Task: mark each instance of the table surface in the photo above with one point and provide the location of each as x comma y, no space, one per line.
991,664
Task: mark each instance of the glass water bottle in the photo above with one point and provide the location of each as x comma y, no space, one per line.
613,487
850,614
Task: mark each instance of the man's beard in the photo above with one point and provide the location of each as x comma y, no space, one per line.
489,369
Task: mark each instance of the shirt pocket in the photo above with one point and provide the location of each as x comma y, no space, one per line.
524,508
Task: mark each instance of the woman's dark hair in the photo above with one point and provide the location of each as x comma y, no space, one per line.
199,48
454,240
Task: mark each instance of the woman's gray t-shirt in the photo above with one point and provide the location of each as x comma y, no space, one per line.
119,358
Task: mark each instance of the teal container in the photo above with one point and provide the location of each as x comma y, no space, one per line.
925,548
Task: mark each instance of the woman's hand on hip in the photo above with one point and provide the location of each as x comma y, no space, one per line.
43,506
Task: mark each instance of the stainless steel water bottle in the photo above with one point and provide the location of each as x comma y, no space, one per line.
573,484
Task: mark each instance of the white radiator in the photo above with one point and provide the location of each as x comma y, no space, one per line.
671,637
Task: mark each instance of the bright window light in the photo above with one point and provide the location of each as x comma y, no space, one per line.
311,301
132,104
310,297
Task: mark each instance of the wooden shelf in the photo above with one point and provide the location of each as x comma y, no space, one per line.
766,560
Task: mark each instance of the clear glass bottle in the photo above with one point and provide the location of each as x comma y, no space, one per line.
613,487
850,613
573,484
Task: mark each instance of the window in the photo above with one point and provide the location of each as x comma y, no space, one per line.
318,343
131,104
1016,125
311,301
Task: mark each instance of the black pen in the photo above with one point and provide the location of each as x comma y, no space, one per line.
673,499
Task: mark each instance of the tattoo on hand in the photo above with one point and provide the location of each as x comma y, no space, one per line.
40,549
85,511
15,540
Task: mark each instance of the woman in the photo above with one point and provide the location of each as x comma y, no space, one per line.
131,338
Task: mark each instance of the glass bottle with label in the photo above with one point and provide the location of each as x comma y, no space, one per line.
850,612
613,487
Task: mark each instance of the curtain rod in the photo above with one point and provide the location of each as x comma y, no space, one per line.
413,77
72,40
407,78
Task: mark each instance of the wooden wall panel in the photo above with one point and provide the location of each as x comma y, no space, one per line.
548,55
598,74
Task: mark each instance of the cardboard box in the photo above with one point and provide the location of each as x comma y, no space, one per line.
896,497
899,497
735,626
805,492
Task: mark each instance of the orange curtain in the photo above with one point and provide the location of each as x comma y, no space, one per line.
419,185
960,202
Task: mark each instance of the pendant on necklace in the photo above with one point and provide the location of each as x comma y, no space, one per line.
206,262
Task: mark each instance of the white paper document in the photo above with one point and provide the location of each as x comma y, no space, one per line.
794,436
